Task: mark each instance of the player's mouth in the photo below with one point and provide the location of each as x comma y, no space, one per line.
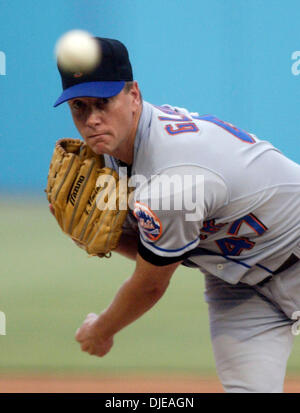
97,136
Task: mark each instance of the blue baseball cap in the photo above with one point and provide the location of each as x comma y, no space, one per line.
106,80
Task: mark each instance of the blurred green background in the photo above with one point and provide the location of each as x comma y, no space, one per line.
48,286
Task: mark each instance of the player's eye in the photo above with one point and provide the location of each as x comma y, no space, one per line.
77,105
102,102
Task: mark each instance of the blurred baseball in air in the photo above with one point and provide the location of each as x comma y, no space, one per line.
77,51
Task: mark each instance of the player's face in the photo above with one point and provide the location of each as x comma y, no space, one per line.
108,125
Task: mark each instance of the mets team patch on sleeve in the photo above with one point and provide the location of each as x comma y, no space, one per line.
149,224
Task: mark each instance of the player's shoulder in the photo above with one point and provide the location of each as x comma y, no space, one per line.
169,136
173,127
179,124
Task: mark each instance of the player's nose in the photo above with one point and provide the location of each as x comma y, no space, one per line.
94,117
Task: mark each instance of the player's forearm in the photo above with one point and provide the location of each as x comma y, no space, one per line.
128,245
136,296
130,303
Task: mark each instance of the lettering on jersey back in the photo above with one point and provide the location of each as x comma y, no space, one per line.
233,245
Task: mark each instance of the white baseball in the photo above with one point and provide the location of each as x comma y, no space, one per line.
77,51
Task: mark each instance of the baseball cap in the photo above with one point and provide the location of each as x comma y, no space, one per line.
106,80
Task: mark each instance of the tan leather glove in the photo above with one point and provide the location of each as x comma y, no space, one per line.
84,197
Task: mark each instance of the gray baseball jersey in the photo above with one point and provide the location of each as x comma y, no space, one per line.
248,222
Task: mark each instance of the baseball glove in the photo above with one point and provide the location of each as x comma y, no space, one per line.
85,197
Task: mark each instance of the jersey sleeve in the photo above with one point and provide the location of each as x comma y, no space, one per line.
170,209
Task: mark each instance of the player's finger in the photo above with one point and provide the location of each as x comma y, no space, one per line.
91,315
77,335
90,318
51,209
80,334
85,347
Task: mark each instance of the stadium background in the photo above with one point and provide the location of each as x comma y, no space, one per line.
230,58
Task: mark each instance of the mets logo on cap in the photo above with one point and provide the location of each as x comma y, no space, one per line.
149,223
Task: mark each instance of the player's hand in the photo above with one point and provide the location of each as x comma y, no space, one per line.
51,209
89,337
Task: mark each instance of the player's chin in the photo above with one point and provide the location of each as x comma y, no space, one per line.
98,148
97,151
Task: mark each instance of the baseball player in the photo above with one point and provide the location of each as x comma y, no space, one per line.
243,231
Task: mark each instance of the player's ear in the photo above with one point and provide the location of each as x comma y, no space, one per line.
135,93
